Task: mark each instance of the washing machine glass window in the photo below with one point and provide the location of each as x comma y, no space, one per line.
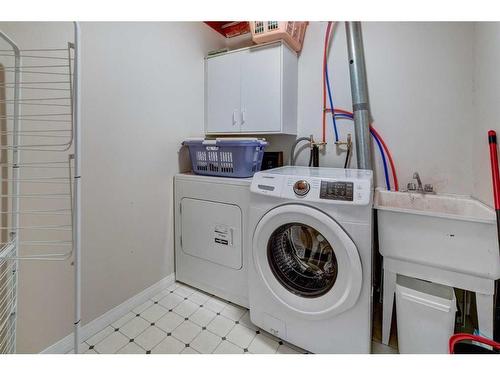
302,260
335,294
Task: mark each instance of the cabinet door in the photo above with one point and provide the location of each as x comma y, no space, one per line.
261,90
223,94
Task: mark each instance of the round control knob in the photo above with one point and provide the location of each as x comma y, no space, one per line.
301,187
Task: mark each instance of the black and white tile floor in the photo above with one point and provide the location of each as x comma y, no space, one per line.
184,320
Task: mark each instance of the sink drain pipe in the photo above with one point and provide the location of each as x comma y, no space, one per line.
359,93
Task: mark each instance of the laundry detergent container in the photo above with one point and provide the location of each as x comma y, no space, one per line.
426,316
226,157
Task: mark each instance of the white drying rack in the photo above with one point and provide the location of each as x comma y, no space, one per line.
40,158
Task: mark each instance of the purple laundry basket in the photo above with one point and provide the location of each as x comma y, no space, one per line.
226,157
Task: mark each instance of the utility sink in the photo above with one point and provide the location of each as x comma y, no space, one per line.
450,232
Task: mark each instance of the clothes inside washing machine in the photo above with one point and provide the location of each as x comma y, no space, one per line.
302,260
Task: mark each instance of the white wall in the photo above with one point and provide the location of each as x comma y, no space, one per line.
142,94
420,86
487,104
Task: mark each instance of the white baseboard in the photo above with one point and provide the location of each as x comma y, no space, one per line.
88,330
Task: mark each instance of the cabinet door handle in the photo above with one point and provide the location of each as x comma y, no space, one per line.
234,118
243,117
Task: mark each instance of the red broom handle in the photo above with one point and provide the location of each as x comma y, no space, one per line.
492,140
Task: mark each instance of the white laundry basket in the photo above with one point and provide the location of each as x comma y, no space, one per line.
426,316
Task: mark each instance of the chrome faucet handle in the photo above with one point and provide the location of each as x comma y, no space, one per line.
411,186
428,188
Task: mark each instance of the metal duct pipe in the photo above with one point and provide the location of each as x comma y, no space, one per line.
359,93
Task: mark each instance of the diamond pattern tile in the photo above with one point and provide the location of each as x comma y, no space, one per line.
189,351
143,307
199,298
205,342
215,304
184,291
150,338
160,295
170,301
123,320
186,308
241,336
131,348
226,347
169,346
135,327
169,322
153,313
183,320
173,287
186,332
202,316
112,343
233,312
221,325
262,344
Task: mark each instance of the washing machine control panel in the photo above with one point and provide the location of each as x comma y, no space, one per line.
345,188
337,190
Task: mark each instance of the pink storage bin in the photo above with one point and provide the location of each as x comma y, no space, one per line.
291,32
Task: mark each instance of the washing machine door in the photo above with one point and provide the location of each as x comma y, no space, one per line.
307,261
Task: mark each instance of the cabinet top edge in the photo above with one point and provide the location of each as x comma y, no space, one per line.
256,46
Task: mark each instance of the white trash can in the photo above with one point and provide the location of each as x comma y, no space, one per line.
425,314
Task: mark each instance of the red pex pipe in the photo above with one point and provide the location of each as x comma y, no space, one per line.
389,155
325,56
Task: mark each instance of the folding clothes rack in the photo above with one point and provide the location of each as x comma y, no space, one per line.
39,168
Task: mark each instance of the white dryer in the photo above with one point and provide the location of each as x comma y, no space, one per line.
310,262
210,230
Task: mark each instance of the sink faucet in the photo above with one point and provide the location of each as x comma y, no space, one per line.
419,181
425,189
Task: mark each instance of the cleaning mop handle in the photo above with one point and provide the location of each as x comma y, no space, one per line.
492,140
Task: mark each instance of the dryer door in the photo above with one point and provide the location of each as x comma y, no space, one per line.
212,231
307,261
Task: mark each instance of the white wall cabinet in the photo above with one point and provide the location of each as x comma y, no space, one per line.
252,91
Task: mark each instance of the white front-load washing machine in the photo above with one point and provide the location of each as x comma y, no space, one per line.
211,216
310,262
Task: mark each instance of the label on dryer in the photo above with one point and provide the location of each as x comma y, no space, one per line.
223,235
